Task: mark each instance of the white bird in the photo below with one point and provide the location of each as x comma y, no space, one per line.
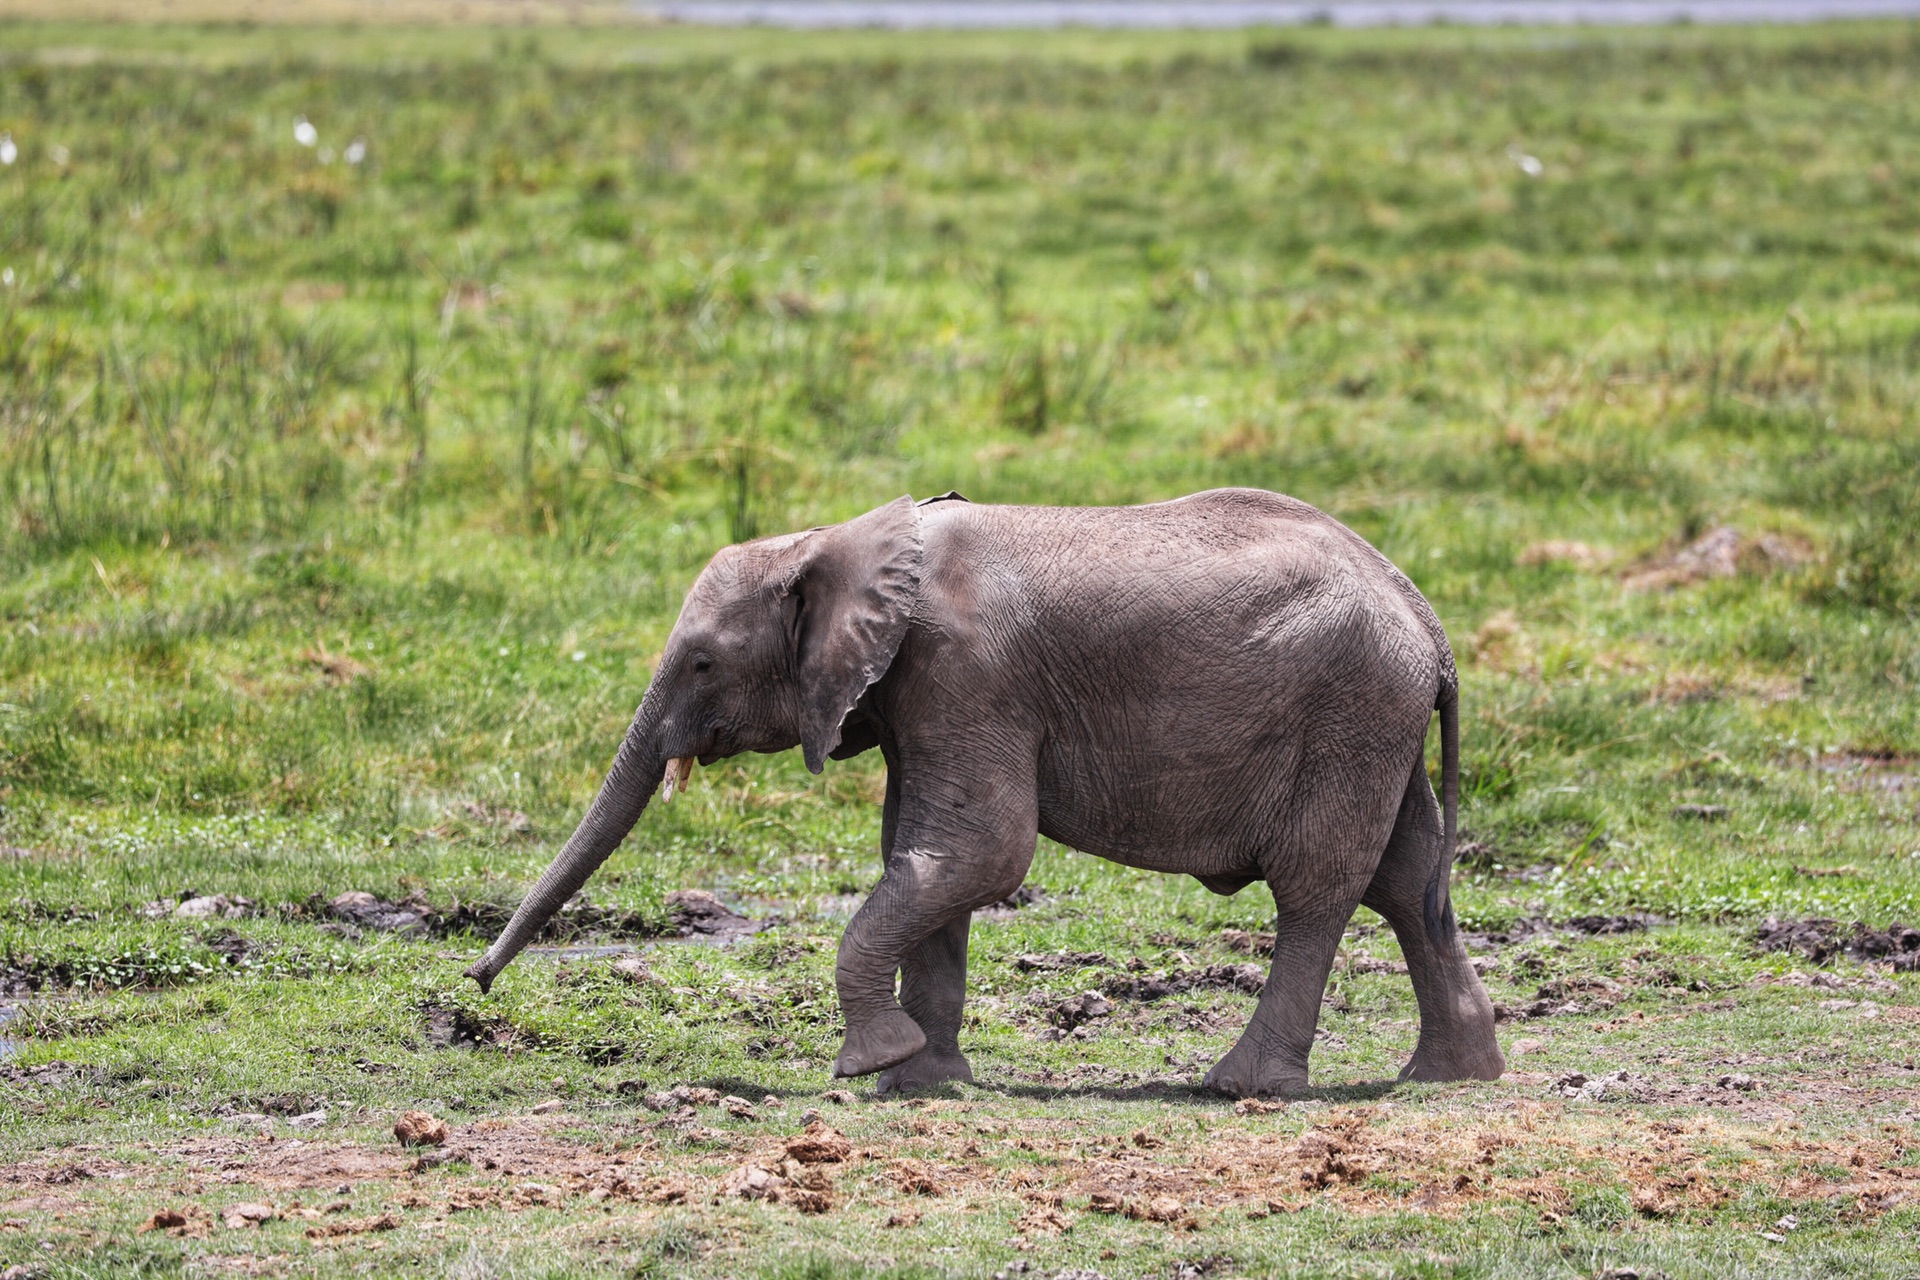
1529,165
8,152
303,133
356,151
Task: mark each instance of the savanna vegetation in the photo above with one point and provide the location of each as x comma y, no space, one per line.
349,482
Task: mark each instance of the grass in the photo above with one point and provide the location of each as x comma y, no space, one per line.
343,507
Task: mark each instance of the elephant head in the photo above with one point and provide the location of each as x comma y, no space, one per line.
777,641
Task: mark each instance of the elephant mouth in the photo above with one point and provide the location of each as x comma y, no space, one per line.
674,780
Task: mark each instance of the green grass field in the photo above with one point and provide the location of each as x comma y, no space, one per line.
344,506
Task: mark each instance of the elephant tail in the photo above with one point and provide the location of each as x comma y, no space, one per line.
1439,907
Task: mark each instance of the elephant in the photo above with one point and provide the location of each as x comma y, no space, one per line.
1231,685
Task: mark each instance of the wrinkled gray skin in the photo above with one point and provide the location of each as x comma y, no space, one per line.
1231,686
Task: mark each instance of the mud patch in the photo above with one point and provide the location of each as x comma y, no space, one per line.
451,1027
1136,984
1886,771
1821,941
698,914
1566,997
49,1074
1599,926
356,911
56,1175
1532,928
1061,961
1247,979
229,946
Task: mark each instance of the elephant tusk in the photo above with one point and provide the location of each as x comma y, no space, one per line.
674,780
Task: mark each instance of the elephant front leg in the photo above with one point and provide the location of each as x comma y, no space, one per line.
933,990
952,843
880,1034
923,893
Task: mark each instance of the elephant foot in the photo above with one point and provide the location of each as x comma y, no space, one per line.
1245,1074
925,1070
878,1043
1435,1065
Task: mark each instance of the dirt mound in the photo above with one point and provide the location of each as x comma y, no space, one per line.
1820,940
820,1144
361,910
1721,552
1079,1010
420,1129
1579,555
192,905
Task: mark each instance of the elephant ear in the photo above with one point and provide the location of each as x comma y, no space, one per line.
847,595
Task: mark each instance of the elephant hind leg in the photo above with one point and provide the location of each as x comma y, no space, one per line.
1320,865
1270,1058
1456,1018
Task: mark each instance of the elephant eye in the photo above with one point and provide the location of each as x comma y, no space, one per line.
703,664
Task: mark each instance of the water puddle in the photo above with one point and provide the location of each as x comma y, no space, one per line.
584,953
1225,14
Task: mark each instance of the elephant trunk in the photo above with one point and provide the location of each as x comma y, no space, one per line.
623,797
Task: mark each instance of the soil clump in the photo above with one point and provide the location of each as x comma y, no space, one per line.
1821,940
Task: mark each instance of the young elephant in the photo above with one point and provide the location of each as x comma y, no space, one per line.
1232,686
